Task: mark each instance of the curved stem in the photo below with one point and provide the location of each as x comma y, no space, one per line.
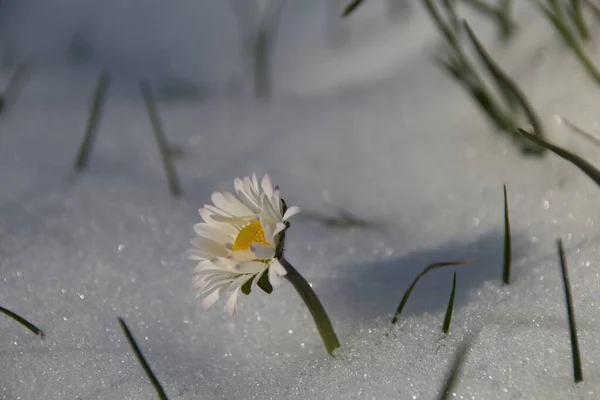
314,306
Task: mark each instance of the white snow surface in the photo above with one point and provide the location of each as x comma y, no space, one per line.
372,127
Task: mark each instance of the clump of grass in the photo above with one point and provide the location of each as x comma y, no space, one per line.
503,109
568,20
427,269
91,130
161,139
577,368
22,321
450,307
501,13
507,243
142,360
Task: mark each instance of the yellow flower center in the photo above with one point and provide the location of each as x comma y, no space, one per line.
251,233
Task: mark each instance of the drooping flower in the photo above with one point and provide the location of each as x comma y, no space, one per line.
240,241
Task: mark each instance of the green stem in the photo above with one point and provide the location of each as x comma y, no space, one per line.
314,306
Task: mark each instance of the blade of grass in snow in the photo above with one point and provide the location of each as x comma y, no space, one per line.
459,359
427,269
161,140
579,162
577,368
91,130
583,133
350,8
502,14
22,321
507,85
140,357
450,307
507,243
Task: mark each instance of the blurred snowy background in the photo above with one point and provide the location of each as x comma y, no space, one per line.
356,117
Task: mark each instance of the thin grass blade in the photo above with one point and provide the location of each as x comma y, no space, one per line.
22,321
142,360
581,132
350,8
91,129
427,269
507,243
505,82
579,162
161,139
450,307
577,368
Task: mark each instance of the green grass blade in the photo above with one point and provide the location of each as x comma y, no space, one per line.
506,83
96,107
459,359
577,368
507,243
142,360
581,132
22,321
350,8
577,15
450,307
579,162
161,139
427,269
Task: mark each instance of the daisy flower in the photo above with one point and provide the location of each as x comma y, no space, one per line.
240,242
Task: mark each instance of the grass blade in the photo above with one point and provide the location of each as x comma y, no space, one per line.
140,357
14,86
579,162
507,243
96,107
350,8
577,15
423,273
448,316
459,359
23,321
583,133
161,140
577,368
506,84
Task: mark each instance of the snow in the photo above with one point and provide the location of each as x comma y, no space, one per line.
371,127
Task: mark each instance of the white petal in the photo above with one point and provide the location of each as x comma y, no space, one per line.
278,268
257,277
229,203
290,212
253,267
273,278
242,256
262,252
232,302
213,232
209,246
276,201
255,183
211,299
267,186
280,227
234,220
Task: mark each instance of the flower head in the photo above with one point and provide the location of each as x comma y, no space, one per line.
240,240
